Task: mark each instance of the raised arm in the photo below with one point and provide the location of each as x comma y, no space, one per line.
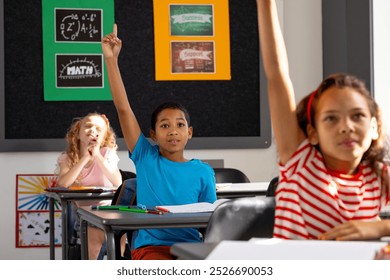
111,46
287,132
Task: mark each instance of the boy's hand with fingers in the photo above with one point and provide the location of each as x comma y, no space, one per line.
111,44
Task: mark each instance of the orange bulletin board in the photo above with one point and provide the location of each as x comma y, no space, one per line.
192,40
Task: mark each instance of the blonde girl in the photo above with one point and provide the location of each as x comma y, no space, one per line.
90,159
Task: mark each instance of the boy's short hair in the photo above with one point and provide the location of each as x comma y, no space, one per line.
168,105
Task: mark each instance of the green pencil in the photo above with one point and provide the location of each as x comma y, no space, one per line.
106,207
135,210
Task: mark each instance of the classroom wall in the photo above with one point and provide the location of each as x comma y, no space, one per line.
381,36
302,27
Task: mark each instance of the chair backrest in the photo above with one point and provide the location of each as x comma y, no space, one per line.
121,192
242,219
272,187
127,174
230,175
126,193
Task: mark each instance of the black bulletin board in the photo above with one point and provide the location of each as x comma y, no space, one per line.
224,114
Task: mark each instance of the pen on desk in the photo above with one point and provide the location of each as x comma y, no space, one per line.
137,210
134,210
150,210
162,209
154,212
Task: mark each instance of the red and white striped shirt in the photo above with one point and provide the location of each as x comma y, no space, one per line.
310,199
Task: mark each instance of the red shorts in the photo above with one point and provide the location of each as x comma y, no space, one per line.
152,253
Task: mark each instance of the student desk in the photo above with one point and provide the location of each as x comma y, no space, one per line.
277,249
112,221
64,198
242,189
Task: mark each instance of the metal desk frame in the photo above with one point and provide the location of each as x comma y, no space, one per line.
114,221
64,198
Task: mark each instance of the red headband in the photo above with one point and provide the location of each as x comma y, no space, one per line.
309,106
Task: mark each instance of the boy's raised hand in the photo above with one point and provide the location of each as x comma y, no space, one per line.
111,44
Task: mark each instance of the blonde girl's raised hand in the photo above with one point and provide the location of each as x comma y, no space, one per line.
111,44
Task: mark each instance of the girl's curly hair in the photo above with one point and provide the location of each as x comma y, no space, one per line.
73,147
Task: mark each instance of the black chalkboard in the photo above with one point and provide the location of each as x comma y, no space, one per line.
73,27
224,114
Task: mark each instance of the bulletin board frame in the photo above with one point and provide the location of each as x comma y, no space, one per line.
199,29
260,139
72,56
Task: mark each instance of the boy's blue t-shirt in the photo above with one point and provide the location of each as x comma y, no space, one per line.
164,182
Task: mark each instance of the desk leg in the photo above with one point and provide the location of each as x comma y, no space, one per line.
64,229
118,249
84,239
52,227
110,236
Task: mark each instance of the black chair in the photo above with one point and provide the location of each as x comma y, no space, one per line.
74,252
242,219
125,176
272,187
230,175
125,196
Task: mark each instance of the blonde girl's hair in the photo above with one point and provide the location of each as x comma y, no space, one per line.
73,147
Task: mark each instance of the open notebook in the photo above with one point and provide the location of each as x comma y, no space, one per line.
193,207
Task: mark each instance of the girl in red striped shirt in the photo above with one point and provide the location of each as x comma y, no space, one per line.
333,181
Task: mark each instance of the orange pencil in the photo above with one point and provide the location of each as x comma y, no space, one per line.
162,209
154,212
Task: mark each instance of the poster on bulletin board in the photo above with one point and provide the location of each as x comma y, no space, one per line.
72,55
32,211
192,40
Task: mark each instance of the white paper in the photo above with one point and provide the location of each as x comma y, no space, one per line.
242,187
194,207
278,249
